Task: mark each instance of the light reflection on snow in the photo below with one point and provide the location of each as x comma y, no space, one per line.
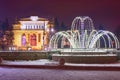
54,63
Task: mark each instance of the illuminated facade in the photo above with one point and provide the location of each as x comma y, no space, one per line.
31,33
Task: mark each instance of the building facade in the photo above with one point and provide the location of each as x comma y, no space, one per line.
32,33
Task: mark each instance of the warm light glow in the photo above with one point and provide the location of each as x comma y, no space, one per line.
34,18
33,31
48,30
52,30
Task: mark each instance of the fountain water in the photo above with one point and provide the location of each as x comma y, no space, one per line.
84,37
84,44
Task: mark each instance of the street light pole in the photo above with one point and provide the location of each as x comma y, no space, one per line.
50,31
44,35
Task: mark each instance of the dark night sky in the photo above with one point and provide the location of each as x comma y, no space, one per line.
103,12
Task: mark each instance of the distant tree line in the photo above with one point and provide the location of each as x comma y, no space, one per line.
6,35
117,32
58,26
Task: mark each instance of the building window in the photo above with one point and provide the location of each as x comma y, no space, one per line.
37,26
33,40
23,39
34,26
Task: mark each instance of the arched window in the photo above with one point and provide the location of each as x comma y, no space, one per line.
23,39
33,40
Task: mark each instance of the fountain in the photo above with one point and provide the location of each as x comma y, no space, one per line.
83,36
84,40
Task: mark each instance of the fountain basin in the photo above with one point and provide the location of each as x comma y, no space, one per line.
86,58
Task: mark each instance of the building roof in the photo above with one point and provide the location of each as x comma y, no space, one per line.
34,18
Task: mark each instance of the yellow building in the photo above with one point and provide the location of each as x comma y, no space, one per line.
31,33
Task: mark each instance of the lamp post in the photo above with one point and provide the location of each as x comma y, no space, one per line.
50,31
43,35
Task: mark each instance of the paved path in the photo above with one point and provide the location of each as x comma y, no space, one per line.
56,74
47,64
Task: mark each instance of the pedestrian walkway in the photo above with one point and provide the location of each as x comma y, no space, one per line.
50,64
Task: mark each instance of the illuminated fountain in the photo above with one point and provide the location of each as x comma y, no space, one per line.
84,44
83,37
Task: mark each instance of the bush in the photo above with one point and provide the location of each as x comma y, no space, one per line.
23,55
1,60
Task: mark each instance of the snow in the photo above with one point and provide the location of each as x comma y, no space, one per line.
7,73
34,62
100,65
50,74
85,55
55,63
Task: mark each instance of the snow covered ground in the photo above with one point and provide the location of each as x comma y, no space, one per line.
50,74
54,63
35,62
8,73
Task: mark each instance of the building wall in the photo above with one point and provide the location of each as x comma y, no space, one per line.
27,29
18,34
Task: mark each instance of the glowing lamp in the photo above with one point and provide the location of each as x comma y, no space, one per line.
52,30
34,18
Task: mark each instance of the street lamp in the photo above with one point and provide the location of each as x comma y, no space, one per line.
44,33
50,31
47,32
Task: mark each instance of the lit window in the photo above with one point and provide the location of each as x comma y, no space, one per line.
33,40
23,39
